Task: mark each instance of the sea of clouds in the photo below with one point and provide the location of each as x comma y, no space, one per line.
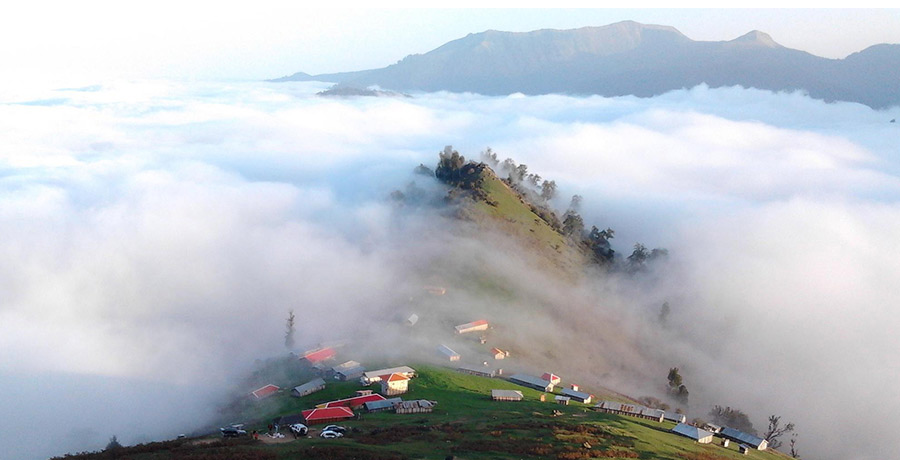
154,233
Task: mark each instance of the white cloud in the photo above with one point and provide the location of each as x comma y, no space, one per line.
160,231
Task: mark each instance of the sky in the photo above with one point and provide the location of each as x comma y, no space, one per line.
210,40
161,210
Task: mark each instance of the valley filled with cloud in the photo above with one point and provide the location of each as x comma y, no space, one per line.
156,232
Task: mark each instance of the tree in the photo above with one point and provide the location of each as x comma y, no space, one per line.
289,331
575,204
548,190
733,418
638,256
674,378
113,443
794,452
776,430
573,226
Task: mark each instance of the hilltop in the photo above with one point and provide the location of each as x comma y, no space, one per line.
517,320
629,58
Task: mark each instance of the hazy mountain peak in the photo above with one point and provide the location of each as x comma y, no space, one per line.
758,38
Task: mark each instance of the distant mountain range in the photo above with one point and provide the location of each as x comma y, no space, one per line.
629,58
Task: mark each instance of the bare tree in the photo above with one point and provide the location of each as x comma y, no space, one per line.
776,430
794,452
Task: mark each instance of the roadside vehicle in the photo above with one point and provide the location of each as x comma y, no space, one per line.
330,434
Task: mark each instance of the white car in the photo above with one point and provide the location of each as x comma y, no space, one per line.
335,428
299,429
328,434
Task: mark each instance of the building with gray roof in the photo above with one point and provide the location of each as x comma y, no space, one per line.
578,395
744,438
383,405
308,388
506,395
688,431
531,382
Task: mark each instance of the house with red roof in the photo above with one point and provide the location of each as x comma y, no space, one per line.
498,353
394,384
474,326
326,414
354,402
318,356
552,378
265,391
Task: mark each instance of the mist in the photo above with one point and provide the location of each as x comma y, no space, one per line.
157,232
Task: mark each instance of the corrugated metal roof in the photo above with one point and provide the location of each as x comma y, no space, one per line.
447,351
354,401
393,370
530,381
691,431
312,415
319,355
740,436
383,404
575,394
311,385
394,378
506,394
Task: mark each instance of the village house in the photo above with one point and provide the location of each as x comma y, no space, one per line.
371,377
419,406
633,410
412,320
265,391
489,373
506,395
674,417
353,402
564,400
697,434
552,378
327,415
394,384
744,438
499,354
578,395
531,382
308,388
318,356
383,405
448,353
349,370
474,326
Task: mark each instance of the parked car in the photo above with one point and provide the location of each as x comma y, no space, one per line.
232,432
335,428
330,434
299,429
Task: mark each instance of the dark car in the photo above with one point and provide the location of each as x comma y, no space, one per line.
231,432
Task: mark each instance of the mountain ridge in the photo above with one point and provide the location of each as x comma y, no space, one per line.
630,58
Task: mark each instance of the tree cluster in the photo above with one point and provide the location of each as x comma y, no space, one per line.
676,386
453,169
734,418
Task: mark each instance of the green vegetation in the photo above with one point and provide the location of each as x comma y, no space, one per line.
465,423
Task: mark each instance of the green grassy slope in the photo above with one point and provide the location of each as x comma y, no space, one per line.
505,212
466,423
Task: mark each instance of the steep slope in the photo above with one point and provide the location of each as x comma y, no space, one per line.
631,58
